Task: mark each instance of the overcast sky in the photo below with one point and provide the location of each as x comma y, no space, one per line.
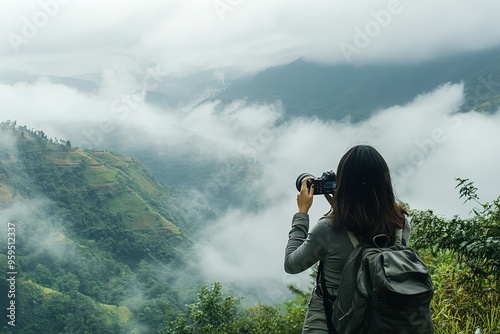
68,37
126,47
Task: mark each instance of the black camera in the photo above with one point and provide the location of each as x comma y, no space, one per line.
322,185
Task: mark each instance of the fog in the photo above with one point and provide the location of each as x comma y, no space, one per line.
126,49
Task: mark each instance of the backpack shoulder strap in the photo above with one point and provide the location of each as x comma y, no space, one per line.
327,305
399,237
352,237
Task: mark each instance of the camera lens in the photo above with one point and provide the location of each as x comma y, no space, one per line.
300,178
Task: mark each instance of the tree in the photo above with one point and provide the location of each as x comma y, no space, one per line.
475,240
212,313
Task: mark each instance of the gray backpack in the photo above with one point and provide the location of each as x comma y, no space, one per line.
383,290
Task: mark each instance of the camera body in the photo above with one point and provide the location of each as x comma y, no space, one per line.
325,184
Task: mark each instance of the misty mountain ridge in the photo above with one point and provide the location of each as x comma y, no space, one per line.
312,89
338,91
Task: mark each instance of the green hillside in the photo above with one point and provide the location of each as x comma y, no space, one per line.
99,241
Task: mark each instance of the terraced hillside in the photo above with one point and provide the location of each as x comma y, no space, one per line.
98,239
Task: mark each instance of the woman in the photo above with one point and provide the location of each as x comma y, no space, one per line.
363,203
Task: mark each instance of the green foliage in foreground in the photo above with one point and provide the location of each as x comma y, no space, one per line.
475,240
458,306
215,313
463,255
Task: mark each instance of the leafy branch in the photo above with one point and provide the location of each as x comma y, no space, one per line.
475,240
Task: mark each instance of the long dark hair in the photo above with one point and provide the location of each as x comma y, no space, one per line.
364,201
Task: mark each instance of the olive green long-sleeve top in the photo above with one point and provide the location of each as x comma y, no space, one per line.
305,248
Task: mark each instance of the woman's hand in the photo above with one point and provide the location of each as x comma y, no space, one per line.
305,197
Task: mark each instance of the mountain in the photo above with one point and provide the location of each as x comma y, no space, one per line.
99,243
338,91
482,90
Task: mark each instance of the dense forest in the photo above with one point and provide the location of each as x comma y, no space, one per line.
100,247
